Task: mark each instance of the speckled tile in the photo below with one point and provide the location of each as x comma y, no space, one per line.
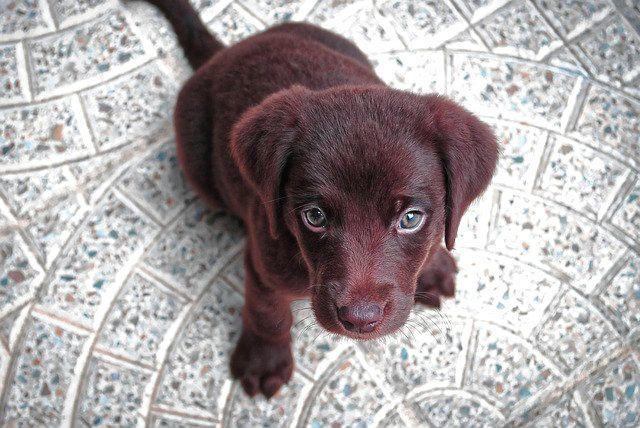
518,30
570,16
579,177
392,420
520,145
112,395
274,11
564,59
275,412
348,397
7,324
497,88
615,394
43,372
135,107
112,234
420,73
554,238
627,216
426,353
185,254
575,332
139,320
198,363
105,46
614,50
622,295
564,413
24,190
171,421
359,21
473,229
19,276
69,12
158,182
11,84
24,18
506,369
501,291
233,25
611,122
455,410
422,23
41,133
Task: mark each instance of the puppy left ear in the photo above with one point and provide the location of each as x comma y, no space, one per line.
261,144
468,150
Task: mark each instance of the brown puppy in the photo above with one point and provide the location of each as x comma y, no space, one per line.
346,186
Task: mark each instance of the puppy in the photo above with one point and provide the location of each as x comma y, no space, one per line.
346,186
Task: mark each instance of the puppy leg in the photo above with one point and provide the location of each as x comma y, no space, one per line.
437,278
262,360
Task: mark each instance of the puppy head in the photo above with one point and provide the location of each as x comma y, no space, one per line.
368,181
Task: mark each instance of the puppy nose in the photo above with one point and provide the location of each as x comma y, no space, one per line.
360,317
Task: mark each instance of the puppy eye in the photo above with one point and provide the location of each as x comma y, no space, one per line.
315,219
411,220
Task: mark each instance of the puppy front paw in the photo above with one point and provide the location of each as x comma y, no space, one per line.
437,279
261,366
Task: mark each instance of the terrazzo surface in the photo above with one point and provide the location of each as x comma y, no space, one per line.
120,292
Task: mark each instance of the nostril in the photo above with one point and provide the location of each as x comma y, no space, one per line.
362,317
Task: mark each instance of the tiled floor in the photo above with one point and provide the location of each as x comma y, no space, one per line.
120,293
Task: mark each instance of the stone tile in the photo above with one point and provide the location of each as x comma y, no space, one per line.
274,11
611,122
501,291
24,190
622,295
278,411
19,275
518,30
41,134
147,19
171,421
575,332
570,16
233,25
452,410
7,324
564,59
553,238
473,229
24,18
506,369
197,247
499,88
198,363
426,353
422,23
579,177
520,145
349,397
615,393
392,420
137,106
139,320
70,12
11,84
565,413
421,73
112,395
209,8
627,216
234,272
358,21
157,181
103,47
43,372
614,51
111,236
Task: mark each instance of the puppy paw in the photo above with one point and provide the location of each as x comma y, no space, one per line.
437,279
260,366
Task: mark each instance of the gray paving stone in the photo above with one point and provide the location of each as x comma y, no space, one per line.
19,274
622,295
571,16
43,372
234,24
135,107
422,73
452,410
627,216
112,395
565,413
103,47
275,11
24,18
11,83
197,367
69,12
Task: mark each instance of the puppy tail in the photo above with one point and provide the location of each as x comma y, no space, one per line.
197,42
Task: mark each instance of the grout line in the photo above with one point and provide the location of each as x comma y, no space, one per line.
574,105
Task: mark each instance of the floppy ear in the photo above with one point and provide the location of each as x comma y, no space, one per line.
468,150
261,144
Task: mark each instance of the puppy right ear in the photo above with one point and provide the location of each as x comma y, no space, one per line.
261,144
